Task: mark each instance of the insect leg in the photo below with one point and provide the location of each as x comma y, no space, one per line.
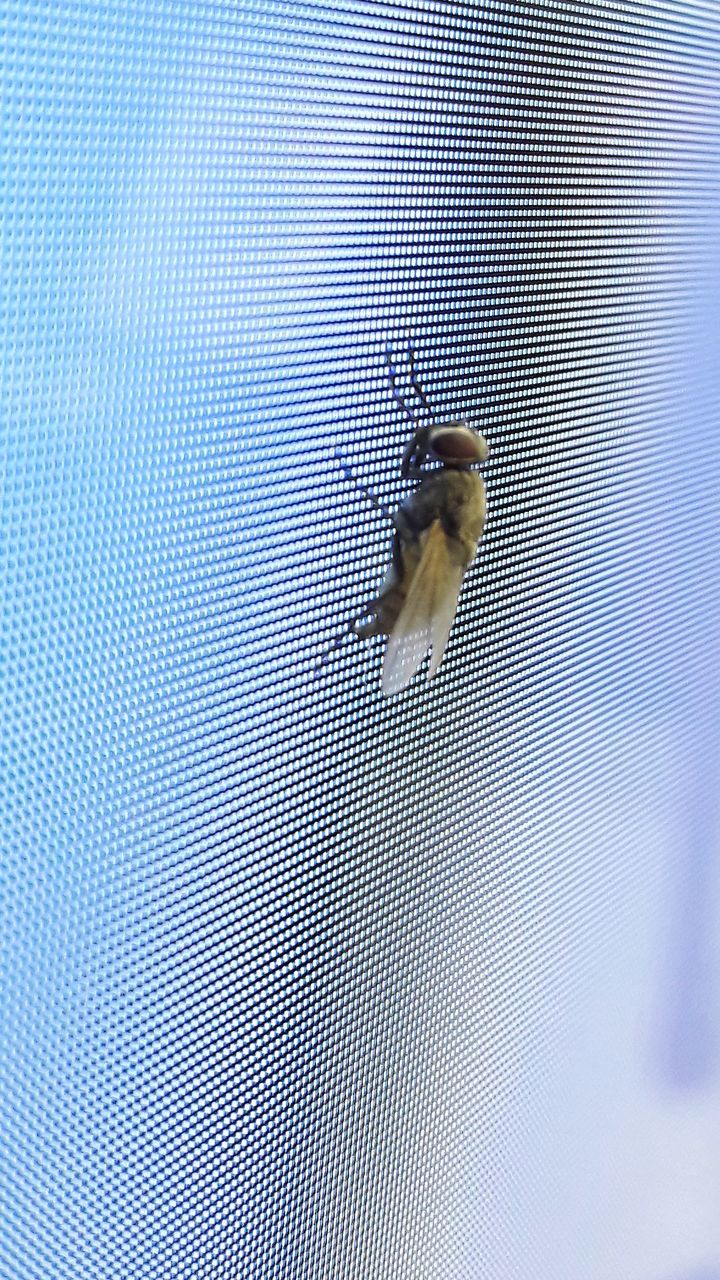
346,631
416,451
392,383
414,378
335,644
350,475
411,467
397,555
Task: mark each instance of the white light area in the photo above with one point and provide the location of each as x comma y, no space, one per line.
563,1153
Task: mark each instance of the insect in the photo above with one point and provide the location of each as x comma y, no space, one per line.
436,532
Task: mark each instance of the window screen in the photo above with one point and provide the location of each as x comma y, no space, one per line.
301,981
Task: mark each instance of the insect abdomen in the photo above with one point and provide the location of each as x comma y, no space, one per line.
387,611
388,604
456,501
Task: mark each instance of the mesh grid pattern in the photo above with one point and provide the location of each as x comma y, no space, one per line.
298,981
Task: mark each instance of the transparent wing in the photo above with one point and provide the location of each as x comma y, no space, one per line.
446,601
427,615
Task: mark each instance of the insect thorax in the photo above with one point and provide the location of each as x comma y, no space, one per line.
454,497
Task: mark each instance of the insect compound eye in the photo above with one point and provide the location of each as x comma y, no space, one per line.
457,444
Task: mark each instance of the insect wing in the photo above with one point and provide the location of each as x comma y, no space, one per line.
427,615
446,602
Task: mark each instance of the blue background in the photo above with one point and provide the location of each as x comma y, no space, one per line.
297,981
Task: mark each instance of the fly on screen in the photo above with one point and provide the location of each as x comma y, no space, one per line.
436,532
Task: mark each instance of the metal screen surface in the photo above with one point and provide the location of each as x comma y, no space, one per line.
300,981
